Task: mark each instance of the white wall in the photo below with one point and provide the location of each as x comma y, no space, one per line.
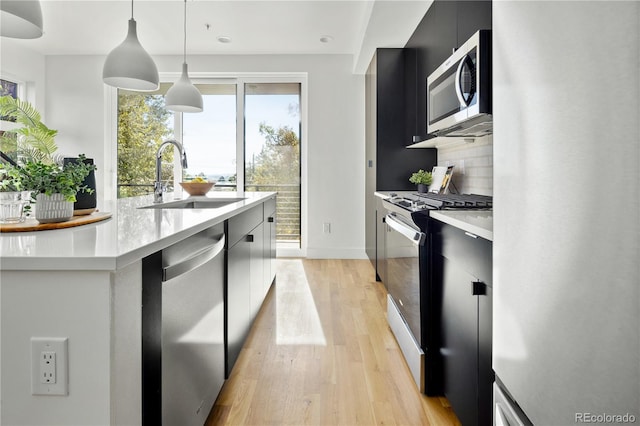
335,146
26,66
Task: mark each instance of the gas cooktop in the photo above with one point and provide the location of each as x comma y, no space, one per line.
429,201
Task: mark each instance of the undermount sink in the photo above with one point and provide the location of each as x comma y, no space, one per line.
207,203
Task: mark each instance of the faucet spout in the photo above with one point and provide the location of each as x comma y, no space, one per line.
158,187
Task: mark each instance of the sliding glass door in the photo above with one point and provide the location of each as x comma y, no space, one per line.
272,150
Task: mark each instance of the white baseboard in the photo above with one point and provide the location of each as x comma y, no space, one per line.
335,253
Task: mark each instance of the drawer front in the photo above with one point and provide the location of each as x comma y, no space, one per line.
244,223
270,207
472,253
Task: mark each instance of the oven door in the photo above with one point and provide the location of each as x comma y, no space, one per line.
403,242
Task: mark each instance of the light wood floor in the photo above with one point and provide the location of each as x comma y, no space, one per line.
321,353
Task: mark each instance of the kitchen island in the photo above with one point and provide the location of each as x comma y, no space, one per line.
84,284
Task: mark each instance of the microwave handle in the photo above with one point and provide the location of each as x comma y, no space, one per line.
463,101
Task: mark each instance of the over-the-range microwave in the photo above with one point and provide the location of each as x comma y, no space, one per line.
459,91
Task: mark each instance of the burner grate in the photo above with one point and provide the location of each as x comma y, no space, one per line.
456,201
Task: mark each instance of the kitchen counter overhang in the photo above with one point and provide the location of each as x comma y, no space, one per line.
132,233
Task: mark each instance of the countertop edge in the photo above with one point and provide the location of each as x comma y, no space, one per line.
113,262
449,217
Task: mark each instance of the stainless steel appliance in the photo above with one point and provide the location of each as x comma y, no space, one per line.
404,242
183,355
192,327
459,91
566,341
412,305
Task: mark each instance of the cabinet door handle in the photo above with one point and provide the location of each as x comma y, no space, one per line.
478,288
249,238
469,234
271,220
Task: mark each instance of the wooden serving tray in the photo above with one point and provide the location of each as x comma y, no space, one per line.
34,225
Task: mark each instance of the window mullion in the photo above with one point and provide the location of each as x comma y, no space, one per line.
240,180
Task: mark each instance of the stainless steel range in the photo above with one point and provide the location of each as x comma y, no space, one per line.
413,305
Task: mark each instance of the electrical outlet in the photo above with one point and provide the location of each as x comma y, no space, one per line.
326,228
49,366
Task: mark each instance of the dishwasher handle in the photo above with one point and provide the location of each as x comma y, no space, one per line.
197,259
416,237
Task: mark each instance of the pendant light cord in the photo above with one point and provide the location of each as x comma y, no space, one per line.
185,32
131,9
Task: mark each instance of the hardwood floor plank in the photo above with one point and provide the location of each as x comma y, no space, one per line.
332,361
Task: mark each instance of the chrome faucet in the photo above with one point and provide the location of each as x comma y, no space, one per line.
158,187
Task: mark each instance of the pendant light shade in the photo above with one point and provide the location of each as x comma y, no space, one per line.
20,19
129,66
183,96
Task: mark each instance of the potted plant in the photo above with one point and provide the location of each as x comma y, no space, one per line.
31,140
13,200
54,187
422,179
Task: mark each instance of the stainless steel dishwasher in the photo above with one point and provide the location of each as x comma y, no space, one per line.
190,311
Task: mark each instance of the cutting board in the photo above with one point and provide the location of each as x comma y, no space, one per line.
34,225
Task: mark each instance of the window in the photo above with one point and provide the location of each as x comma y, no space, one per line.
143,124
256,121
209,137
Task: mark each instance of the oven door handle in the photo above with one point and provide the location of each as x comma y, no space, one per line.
416,237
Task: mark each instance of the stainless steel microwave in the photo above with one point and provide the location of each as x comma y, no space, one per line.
459,91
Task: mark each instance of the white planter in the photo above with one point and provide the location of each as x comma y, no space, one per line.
12,206
53,208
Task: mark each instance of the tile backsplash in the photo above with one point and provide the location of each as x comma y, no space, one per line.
473,166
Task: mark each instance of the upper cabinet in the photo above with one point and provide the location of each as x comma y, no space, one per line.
446,26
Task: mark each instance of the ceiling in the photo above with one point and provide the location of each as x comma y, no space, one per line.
356,27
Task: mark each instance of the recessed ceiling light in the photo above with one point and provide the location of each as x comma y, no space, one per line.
224,39
326,39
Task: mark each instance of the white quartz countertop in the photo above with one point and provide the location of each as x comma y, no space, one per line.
477,222
129,235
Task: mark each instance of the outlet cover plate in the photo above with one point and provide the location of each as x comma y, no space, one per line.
45,347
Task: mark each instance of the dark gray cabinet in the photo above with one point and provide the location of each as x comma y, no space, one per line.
381,251
250,272
461,268
446,25
245,272
388,162
237,305
269,243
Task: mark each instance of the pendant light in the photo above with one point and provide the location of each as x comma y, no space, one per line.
129,66
20,19
183,96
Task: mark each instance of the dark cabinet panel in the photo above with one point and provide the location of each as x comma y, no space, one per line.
485,370
237,304
460,342
471,17
446,25
461,268
388,162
